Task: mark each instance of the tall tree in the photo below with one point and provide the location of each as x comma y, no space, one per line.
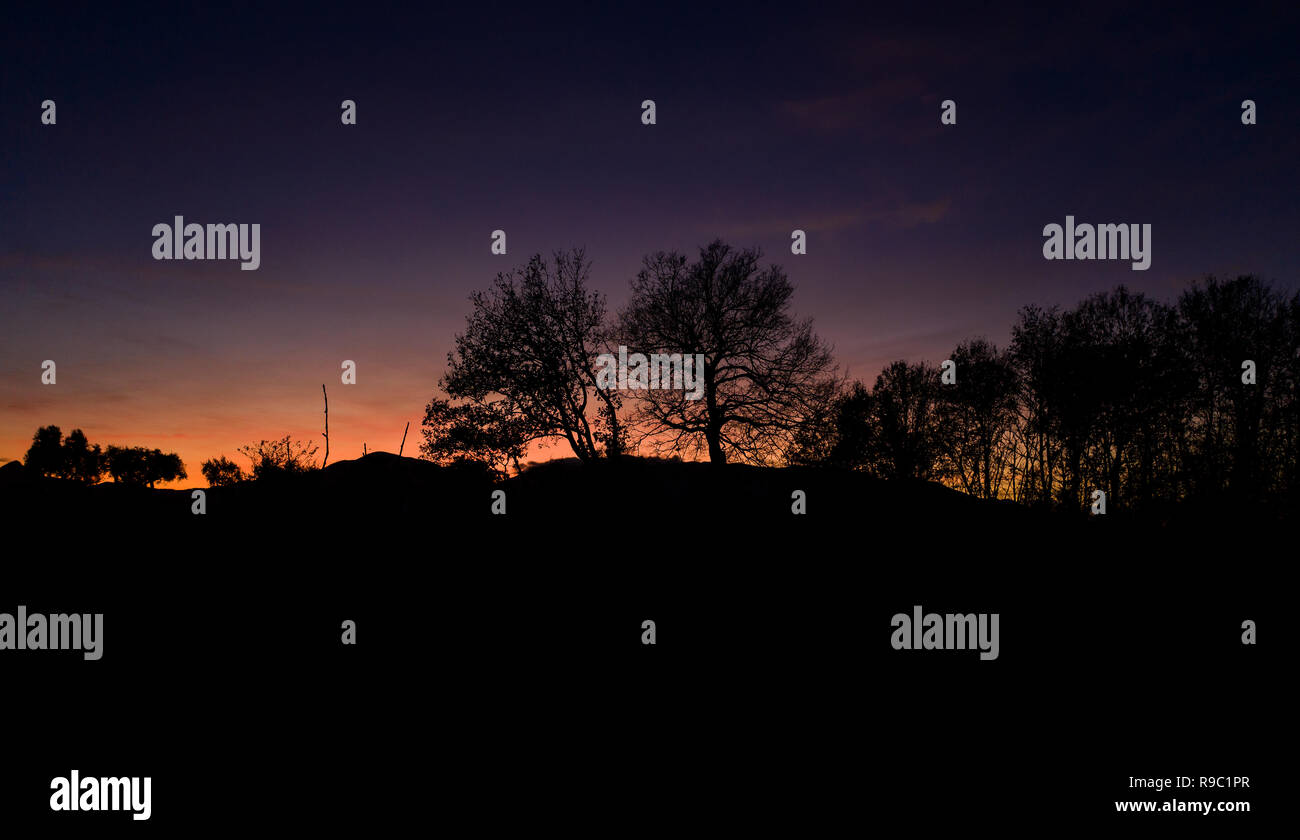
765,373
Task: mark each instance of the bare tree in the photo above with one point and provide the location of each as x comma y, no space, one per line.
765,374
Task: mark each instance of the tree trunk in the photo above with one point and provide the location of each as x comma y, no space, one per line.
713,430
714,437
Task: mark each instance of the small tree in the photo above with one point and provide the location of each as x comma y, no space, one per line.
163,466
140,466
222,472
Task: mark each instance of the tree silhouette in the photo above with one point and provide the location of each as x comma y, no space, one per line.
222,472
1142,400
1147,401
45,457
1155,404
72,457
1130,379
482,432
81,461
905,412
525,369
841,436
1244,435
766,375
978,413
891,431
140,466
1035,352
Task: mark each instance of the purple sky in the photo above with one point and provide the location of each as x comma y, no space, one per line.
769,119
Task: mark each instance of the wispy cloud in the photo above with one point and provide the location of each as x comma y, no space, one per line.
903,214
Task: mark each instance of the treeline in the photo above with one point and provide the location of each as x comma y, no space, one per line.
51,455
1150,403
73,457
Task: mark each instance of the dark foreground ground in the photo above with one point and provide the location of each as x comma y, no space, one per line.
499,674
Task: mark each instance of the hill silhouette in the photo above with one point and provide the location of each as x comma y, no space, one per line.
630,495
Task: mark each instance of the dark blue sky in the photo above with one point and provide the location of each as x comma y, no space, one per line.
770,118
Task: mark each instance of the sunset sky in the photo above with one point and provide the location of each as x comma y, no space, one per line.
770,118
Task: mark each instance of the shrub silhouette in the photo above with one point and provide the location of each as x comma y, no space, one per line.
273,458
